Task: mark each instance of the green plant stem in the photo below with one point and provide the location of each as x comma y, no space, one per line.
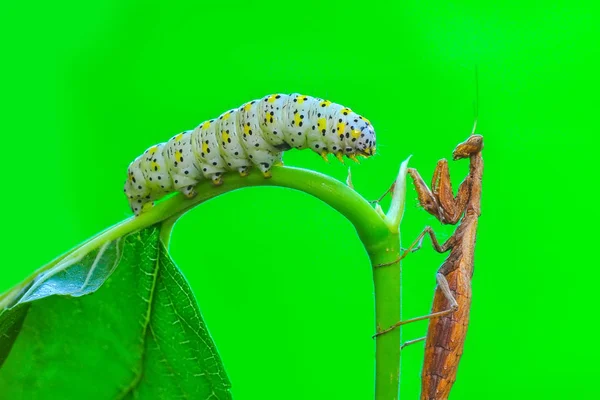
386,281
381,240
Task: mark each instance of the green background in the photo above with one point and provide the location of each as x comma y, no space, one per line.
282,280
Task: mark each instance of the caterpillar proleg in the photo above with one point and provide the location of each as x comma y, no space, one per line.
253,135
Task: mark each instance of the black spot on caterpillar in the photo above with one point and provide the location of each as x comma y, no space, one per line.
254,134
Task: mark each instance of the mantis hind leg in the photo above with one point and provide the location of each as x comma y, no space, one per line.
409,342
443,285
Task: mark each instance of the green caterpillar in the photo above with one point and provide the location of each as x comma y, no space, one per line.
256,134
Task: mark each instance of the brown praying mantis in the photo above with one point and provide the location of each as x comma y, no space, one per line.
450,312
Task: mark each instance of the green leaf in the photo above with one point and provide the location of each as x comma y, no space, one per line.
10,326
120,322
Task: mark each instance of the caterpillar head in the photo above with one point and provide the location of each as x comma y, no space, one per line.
365,139
136,189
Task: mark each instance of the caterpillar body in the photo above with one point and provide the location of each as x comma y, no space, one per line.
253,135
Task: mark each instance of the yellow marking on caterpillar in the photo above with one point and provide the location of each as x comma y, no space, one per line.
205,147
225,136
355,133
178,155
226,116
325,103
246,129
153,149
248,106
155,166
206,125
346,111
301,99
297,119
341,127
322,124
272,98
179,137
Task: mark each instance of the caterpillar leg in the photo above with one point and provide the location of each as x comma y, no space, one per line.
353,158
147,206
265,160
217,179
189,191
244,171
265,168
139,208
267,174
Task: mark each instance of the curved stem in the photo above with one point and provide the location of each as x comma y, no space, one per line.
378,233
369,225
